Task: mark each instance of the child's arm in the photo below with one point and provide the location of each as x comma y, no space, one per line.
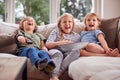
108,51
103,43
43,47
57,43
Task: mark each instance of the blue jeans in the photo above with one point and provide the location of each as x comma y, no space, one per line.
34,54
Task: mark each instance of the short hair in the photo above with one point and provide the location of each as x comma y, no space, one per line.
22,21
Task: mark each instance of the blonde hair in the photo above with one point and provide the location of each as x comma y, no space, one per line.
59,21
94,15
22,21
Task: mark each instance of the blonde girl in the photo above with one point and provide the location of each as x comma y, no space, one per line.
63,34
96,38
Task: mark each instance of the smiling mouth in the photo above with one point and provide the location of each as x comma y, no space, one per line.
91,25
29,24
67,27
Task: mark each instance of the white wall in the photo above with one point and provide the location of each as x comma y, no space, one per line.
110,8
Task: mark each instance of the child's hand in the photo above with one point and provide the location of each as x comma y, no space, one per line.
108,52
65,42
28,41
44,48
22,39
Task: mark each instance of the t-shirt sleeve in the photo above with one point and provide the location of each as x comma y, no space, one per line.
19,33
99,32
41,37
82,34
52,36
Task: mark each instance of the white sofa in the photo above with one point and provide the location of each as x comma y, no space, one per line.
95,68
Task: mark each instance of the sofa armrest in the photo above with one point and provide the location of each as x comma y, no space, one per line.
85,67
6,55
119,35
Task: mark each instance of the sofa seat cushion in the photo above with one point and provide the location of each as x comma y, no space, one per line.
86,67
6,55
107,75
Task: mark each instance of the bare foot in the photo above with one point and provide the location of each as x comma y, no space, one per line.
54,78
118,55
114,53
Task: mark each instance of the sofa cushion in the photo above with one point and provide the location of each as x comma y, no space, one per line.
110,28
86,67
7,43
107,75
7,37
6,55
79,27
7,28
46,29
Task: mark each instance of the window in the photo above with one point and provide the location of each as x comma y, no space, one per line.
2,10
38,9
78,8
44,11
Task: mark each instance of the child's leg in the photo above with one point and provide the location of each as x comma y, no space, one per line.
118,55
32,54
87,53
57,57
95,48
43,54
29,53
50,64
71,56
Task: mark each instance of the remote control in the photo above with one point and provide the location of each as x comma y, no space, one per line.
29,41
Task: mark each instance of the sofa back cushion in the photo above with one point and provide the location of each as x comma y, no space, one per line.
110,28
7,37
8,32
46,29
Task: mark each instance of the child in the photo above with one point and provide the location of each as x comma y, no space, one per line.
95,37
31,45
63,34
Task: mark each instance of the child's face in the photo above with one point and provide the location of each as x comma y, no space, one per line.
29,24
92,23
66,24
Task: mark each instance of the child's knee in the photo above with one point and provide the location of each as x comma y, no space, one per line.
89,46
